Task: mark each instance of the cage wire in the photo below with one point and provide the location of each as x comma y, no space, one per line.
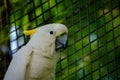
93,51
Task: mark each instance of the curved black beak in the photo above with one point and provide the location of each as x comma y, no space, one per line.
61,42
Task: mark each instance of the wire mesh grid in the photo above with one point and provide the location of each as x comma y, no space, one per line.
94,34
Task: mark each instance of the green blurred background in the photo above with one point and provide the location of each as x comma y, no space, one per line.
93,51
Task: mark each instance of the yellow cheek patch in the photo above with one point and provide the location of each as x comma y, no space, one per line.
29,32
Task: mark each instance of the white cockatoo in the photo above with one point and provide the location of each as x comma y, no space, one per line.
37,59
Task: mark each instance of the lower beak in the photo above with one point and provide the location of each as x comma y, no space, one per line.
61,42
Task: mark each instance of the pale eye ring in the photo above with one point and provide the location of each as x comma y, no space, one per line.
51,32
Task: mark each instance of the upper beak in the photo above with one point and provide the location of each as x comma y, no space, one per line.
61,36
61,42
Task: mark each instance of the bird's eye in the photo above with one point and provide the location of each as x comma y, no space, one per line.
51,32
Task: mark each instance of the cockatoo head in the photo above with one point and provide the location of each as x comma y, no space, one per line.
49,36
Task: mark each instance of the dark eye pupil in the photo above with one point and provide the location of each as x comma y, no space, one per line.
51,32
